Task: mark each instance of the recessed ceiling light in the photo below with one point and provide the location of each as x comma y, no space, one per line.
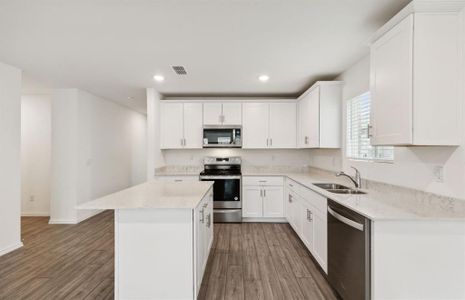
158,78
263,78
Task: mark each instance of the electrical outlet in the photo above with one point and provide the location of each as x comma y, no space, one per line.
31,198
438,173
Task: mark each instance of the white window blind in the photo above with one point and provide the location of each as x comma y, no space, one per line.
358,142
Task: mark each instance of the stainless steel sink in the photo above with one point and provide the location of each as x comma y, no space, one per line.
338,188
331,186
345,191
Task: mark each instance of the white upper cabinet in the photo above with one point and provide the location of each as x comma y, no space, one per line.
415,79
320,116
269,125
222,113
283,125
193,130
232,113
171,125
255,117
180,125
212,113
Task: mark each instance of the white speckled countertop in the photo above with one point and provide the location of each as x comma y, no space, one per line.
154,194
375,205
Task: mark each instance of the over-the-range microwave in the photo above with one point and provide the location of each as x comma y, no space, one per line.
222,137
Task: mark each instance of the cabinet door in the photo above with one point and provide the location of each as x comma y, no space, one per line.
212,114
307,225
252,204
232,113
273,204
283,125
295,213
255,125
314,118
304,122
320,240
209,226
171,125
193,125
200,243
391,86
287,204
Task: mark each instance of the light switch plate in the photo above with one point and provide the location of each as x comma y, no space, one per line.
438,173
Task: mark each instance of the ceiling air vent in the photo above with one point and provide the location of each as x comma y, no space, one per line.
179,70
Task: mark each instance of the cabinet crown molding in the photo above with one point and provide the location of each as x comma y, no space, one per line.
420,6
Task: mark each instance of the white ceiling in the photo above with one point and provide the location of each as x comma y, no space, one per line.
112,48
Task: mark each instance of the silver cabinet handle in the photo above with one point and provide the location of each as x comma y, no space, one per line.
290,198
261,193
263,181
182,142
267,142
345,220
178,180
309,215
202,217
271,142
306,140
209,220
264,193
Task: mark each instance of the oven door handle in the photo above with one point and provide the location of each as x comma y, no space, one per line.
220,177
345,220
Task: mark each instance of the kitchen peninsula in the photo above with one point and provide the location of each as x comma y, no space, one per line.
163,236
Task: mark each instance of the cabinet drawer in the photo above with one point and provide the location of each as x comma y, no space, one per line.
293,186
315,199
258,180
177,178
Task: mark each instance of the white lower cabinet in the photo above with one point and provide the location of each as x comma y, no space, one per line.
262,197
252,202
203,218
306,213
273,206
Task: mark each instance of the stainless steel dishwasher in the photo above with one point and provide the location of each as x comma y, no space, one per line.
348,252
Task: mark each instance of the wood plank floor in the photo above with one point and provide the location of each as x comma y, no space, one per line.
248,261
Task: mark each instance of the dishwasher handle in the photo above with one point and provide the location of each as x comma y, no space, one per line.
345,220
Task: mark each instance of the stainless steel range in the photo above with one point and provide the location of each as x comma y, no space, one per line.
226,173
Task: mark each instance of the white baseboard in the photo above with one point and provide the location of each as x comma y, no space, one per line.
88,214
10,248
264,220
35,214
62,221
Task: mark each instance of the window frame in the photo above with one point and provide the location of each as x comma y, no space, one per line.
348,139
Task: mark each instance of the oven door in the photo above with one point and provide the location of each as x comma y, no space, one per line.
226,191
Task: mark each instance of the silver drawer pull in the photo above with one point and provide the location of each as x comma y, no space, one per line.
202,217
178,180
209,220
290,198
263,181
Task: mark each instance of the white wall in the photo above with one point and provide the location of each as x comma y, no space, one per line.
155,157
98,147
412,167
35,154
10,175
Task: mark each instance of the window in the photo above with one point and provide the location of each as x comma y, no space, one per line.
358,142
